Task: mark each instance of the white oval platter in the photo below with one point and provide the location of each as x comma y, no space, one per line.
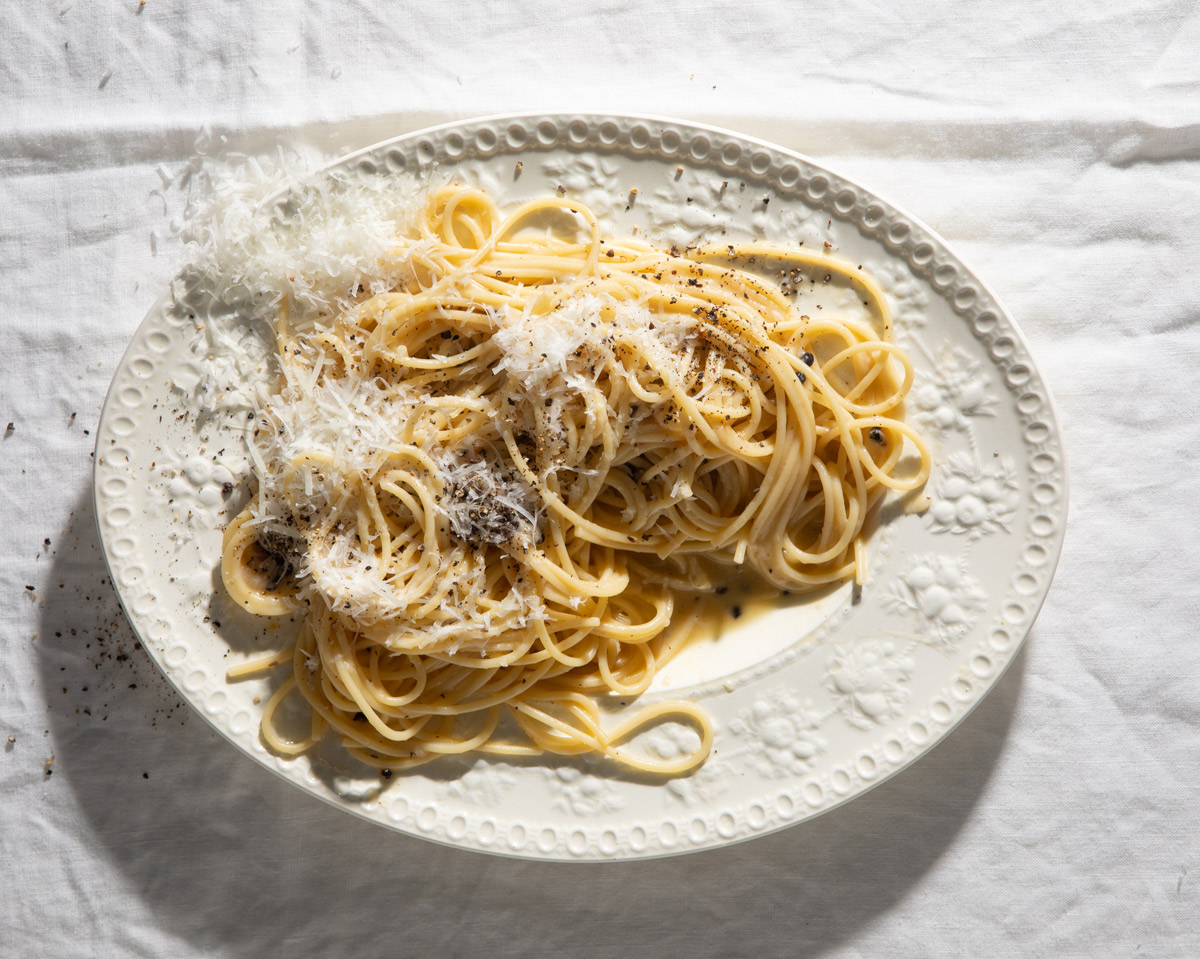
813,704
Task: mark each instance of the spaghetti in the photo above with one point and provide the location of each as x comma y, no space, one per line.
491,490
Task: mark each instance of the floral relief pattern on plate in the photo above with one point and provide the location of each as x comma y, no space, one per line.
484,784
868,682
581,793
956,389
943,596
784,734
971,499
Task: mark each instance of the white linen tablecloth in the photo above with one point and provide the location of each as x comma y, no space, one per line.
1057,148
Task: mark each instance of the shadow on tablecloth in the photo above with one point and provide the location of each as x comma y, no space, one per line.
231,859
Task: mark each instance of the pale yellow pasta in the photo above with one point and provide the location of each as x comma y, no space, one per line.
546,444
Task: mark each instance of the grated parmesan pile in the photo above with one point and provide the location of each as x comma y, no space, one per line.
260,230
